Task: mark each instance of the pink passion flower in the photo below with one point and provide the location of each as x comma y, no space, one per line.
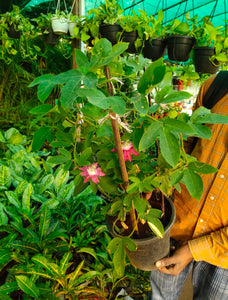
128,149
91,172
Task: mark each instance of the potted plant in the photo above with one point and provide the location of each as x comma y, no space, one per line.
180,39
132,32
154,36
123,148
107,17
13,22
206,36
44,28
24,44
59,22
83,28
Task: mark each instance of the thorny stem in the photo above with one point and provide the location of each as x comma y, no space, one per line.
116,133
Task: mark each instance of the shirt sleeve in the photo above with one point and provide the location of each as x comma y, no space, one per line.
212,248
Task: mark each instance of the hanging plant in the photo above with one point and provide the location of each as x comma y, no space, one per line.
59,20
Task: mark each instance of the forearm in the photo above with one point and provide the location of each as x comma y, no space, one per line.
212,248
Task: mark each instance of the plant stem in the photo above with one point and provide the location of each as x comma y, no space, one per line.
123,168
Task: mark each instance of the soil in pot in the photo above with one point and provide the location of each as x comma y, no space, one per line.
202,60
154,49
150,248
179,47
109,32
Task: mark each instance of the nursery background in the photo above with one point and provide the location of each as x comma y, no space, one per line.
59,167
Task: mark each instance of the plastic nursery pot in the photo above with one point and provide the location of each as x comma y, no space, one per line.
179,47
51,38
154,49
130,37
151,248
59,25
13,33
202,60
110,31
71,27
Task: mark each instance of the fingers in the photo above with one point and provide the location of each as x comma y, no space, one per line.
166,262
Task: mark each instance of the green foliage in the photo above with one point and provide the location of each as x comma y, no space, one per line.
83,127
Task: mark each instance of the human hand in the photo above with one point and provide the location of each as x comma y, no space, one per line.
175,264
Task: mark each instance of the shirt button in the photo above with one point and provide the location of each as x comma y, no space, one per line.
212,197
222,176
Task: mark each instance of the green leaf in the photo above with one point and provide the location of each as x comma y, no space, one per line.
179,126
102,48
212,119
5,297
46,85
88,250
81,59
85,155
69,91
202,131
160,96
26,197
41,135
141,104
45,183
13,199
202,168
5,176
194,183
149,136
170,147
27,286
117,49
198,113
117,104
8,288
65,152
90,80
58,159
140,204
41,109
15,139
3,216
45,219
152,76
25,247
76,273
176,96
61,179
43,262
117,247
156,226
95,97
64,262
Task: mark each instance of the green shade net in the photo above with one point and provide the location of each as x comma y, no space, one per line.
173,9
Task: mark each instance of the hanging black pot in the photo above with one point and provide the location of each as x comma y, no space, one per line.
151,249
110,31
179,47
202,60
51,38
154,49
13,33
130,37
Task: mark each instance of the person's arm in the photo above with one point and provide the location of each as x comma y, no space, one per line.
212,248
